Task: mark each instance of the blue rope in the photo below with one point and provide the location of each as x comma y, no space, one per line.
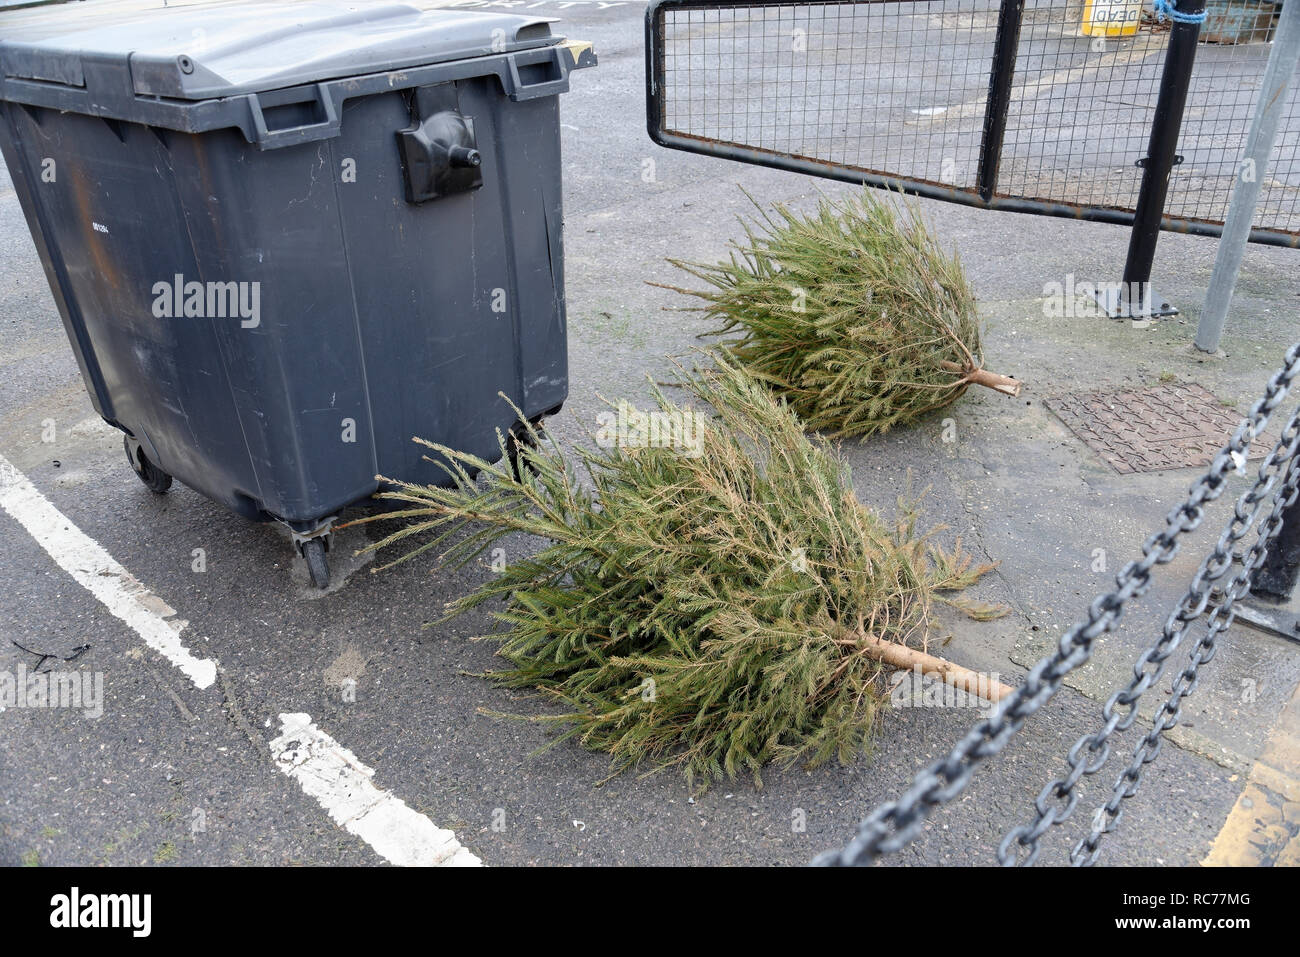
1165,10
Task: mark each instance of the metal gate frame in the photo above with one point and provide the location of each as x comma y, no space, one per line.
983,195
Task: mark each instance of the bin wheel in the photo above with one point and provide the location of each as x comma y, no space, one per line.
154,478
518,437
318,566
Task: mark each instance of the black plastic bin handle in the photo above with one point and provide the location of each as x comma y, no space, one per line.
267,109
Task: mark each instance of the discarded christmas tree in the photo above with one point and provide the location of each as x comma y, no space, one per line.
853,314
712,596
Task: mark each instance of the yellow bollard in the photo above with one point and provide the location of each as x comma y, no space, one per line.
1111,18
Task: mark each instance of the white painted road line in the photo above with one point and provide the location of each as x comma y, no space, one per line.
341,784
95,570
324,769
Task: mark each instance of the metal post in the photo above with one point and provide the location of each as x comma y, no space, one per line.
1268,607
1250,176
1135,299
1005,46
1276,578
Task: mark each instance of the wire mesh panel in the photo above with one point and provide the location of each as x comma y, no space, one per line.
1221,101
1028,105
854,84
1080,110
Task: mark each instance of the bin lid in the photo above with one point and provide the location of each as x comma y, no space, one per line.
199,53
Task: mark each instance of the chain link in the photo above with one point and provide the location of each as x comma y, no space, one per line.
1149,669
1126,786
892,825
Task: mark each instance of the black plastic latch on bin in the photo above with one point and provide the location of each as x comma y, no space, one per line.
439,152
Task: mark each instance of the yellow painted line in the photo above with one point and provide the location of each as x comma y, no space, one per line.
1263,829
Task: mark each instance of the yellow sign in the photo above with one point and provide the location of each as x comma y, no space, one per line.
1111,18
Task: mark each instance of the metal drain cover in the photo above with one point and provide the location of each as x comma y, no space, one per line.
1171,426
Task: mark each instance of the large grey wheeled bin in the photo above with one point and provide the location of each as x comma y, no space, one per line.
285,238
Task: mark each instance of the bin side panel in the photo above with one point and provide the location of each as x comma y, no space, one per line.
527,153
29,172
436,354
452,308
115,217
270,223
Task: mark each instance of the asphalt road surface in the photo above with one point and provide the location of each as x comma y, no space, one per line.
334,728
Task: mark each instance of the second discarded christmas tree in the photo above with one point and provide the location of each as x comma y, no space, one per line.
853,314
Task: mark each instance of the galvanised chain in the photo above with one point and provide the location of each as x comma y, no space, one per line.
892,825
1056,803
1221,618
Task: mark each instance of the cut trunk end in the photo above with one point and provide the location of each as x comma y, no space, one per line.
999,383
901,656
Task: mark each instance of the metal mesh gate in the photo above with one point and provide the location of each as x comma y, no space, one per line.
898,93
